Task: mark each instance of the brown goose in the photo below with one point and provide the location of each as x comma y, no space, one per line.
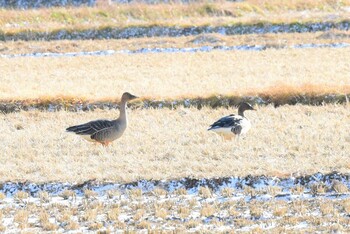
105,131
233,125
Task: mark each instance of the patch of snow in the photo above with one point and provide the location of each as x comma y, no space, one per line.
301,225
176,50
260,183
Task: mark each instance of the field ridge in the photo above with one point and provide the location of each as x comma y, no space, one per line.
158,30
285,97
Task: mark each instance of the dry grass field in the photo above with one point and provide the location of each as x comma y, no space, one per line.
174,75
199,13
165,144
271,39
151,179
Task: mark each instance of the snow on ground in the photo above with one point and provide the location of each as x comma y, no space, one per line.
246,204
177,50
190,184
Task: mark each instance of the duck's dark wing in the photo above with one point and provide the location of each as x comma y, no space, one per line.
91,127
227,122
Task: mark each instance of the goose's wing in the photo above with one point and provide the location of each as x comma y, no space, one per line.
91,127
227,122
108,134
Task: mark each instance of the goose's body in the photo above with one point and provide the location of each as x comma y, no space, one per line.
105,131
233,125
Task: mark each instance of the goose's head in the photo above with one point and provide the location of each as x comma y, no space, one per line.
246,106
243,107
128,97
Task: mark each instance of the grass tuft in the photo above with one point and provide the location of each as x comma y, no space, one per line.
346,205
21,195
72,225
89,215
113,214
318,188
298,189
113,193
192,223
135,193
139,214
21,217
143,225
339,187
161,213
327,209
90,194
227,192
256,210
95,226
2,196
44,197
160,192
205,192
180,191
183,212
66,194
208,210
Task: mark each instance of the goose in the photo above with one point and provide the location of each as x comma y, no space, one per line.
105,131
233,125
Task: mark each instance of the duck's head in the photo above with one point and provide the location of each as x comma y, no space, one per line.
128,97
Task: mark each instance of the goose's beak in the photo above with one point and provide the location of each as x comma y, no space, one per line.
133,97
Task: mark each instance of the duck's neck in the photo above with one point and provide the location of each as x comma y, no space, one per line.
122,114
241,111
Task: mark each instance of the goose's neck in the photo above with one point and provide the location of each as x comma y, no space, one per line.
241,112
123,110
